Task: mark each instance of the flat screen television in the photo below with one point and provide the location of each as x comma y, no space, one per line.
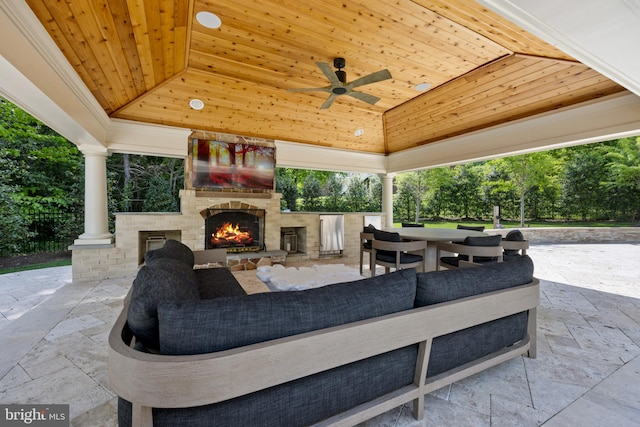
232,165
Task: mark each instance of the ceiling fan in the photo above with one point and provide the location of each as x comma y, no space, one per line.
339,85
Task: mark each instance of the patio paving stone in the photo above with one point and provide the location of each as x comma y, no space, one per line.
54,339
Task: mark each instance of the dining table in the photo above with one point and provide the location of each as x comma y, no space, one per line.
433,236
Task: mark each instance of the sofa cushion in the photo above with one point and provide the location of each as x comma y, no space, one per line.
171,249
440,286
217,283
161,279
195,327
480,340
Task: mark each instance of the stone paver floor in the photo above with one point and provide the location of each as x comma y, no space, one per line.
53,340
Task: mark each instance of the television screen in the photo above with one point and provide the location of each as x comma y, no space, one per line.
218,165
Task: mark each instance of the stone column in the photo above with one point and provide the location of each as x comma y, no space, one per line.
387,198
96,222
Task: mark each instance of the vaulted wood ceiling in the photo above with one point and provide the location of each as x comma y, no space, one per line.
144,60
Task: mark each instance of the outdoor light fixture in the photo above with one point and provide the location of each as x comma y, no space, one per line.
208,19
422,86
196,104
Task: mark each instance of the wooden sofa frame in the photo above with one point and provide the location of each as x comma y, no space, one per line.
149,380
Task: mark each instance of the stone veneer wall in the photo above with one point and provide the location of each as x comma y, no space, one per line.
576,234
122,259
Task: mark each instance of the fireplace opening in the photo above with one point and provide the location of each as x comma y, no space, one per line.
235,230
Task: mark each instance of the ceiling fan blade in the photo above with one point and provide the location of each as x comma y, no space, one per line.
378,76
364,97
329,101
311,89
329,73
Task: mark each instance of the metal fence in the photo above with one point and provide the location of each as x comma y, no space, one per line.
51,231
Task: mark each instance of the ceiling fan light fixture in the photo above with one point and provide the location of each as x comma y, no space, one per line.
208,19
422,86
196,104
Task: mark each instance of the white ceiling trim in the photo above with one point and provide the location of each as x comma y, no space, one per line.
601,34
304,156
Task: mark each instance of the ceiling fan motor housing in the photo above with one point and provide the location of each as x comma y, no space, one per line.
340,63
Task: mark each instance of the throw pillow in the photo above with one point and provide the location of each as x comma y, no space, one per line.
160,280
174,250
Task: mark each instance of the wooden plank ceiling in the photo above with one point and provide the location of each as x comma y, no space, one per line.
144,60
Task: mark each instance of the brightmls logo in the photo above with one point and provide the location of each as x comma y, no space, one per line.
34,415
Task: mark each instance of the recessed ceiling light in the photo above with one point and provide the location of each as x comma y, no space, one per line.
196,104
422,86
208,19
359,132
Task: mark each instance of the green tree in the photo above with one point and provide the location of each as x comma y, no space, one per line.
41,172
158,197
335,192
412,189
467,191
286,184
357,194
623,184
311,192
582,182
526,173
138,181
42,167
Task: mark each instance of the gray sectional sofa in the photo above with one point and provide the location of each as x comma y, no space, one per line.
191,349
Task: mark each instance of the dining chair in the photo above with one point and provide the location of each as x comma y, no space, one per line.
389,251
474,250
514,244
365,246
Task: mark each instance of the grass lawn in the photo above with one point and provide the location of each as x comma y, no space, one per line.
34,262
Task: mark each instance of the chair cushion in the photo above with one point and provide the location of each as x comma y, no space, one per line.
495,240
405,258
174,250
161,279
195,327
471,227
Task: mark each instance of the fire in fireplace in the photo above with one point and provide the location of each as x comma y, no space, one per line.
235,230
229,234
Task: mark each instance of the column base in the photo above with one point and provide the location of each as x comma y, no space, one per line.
95,239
